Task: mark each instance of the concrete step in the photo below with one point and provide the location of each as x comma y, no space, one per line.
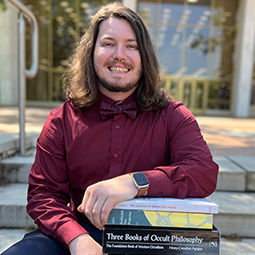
237,247
236,210
248,164
9,143
13,200
236,213
16,169
236,173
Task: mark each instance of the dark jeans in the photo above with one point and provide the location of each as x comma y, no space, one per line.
37,243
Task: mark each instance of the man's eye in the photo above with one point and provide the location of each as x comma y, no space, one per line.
107,44
133,47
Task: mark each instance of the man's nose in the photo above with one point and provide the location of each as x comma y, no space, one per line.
119,53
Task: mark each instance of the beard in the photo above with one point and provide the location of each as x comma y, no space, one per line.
114,87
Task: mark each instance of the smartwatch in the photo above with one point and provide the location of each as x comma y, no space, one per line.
141,182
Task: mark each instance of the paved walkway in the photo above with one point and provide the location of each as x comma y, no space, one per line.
225,136
229,136
9,119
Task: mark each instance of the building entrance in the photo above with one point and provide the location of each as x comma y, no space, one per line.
195,41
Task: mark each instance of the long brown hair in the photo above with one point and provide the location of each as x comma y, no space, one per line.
80,82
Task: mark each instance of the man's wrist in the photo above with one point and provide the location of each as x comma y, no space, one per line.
74,242
83,243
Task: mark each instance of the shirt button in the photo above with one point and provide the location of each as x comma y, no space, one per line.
117,127
115,155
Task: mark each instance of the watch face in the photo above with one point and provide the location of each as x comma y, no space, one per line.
140,179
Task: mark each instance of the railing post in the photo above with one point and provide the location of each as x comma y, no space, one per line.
22,85
23,72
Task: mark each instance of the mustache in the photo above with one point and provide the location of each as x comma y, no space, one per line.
114,62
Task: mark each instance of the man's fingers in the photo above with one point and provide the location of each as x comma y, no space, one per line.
92,205
85,200
88,202
106,209
95,214
101,211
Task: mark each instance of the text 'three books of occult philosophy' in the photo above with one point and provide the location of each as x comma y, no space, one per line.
153,240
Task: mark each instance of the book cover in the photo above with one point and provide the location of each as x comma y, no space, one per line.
151,240
160,219
195,205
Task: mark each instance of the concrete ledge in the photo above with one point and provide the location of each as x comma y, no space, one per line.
234,224
10,142
231,176
241,247
234,202
236,213
13,202
248,164
15,217
16,169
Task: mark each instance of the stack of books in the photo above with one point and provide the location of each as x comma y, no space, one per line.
162,226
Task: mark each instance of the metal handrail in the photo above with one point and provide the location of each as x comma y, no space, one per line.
23,72
30,73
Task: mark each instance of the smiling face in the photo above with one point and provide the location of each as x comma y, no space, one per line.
117,60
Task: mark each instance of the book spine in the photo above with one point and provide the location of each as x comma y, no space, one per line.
139,240
129,205
160,219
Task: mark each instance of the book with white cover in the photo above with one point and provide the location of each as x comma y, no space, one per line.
192,205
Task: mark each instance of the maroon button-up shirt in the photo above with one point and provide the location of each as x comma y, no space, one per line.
78,147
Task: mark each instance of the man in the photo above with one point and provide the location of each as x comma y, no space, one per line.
117,121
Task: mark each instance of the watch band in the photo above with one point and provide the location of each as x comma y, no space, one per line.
142,192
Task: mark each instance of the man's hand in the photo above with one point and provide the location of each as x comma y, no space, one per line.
100,198
85,245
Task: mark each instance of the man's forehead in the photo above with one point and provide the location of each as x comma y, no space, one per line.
109,29
108,37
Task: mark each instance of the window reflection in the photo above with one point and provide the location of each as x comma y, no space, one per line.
194,41
61,24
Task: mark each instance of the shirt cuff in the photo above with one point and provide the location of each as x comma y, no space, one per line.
157,178
69,231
